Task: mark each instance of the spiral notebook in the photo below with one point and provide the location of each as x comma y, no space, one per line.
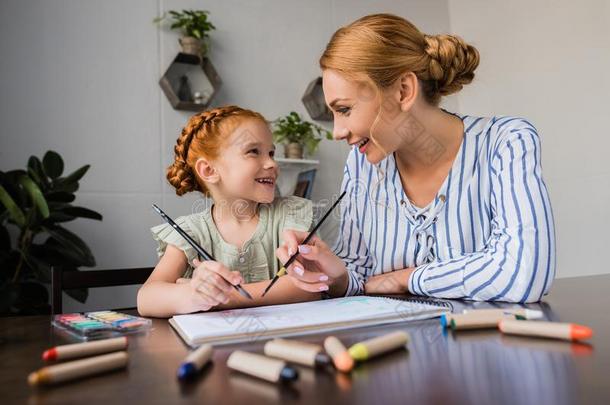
261,323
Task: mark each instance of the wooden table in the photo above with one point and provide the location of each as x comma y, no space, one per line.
479,367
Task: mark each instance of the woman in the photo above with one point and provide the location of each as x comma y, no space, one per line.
438,204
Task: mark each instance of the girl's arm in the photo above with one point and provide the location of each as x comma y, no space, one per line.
164,294
160,296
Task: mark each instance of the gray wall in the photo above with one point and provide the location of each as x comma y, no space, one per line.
548,61
80,77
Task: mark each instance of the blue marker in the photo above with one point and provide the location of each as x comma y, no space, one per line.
446,320
194,362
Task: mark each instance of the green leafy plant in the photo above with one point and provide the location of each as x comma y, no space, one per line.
192,23
33,204
292,129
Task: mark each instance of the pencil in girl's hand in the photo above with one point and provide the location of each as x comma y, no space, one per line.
201,251
282,271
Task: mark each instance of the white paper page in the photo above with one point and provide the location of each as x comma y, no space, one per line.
259,319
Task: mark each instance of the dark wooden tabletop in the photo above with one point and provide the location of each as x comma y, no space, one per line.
477,367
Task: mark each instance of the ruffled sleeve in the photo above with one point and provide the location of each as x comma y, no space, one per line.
165,235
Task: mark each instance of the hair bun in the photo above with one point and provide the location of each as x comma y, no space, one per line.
180,175
452,62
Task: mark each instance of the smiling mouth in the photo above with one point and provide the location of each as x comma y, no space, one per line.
361,145
270,181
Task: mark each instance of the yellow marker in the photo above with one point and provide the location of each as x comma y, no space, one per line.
379,345
78,369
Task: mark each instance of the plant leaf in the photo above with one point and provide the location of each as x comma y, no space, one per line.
15,212
75,175
5,239
67,187
82,212
53,164
53,253
37,173
58,216
41,268
70,240
60,196
39,201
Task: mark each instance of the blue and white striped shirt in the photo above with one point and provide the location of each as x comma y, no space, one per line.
488,234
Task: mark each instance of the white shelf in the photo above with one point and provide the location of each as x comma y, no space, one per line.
289,173
297,161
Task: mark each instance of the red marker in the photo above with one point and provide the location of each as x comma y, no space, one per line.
85,349
556,330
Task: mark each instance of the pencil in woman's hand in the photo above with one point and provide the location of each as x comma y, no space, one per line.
201,251
282,271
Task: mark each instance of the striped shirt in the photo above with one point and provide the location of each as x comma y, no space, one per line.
487,235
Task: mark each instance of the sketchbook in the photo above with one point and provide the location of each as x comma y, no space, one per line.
262,323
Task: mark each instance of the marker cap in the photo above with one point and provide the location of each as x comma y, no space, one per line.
359,352
186,370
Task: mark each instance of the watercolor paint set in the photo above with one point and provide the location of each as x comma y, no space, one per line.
100,324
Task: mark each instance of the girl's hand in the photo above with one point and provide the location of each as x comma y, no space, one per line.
317,268
210,285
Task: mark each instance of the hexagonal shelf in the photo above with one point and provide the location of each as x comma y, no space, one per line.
190,82
313,99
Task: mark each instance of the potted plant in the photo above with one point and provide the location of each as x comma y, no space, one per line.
34,203
298,135
195,27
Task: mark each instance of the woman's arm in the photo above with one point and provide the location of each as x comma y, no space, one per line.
518,262
395,282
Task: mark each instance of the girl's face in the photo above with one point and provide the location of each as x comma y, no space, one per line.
355,106
246,168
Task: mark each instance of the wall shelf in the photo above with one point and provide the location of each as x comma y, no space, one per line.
314,102
187,75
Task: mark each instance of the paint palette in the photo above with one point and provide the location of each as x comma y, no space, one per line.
100,324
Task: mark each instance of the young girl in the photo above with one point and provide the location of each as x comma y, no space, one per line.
226,154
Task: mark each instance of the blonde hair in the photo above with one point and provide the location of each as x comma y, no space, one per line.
203,136
385,46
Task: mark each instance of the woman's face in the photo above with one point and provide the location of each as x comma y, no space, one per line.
355,106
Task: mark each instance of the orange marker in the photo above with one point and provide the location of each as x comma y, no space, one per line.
341,358
556,330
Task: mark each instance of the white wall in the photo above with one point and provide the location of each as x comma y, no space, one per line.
549,61
80,77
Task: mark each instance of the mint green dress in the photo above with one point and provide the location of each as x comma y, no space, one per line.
256,260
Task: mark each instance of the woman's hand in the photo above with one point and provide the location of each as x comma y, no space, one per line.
317,268
394,282
210,285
